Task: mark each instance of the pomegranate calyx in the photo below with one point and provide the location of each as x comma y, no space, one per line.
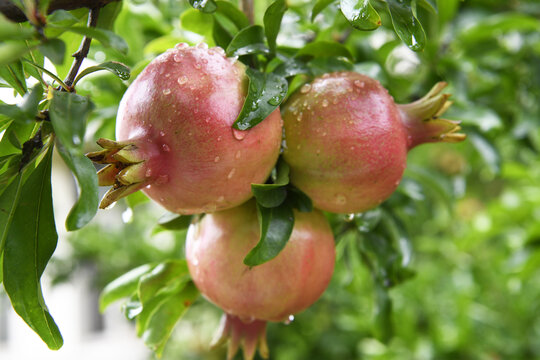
423,122
125,170
249,336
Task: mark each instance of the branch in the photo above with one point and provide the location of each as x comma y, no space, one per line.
247,8
83,49
13,13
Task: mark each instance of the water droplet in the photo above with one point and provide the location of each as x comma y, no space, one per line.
359,83
148,172
195,111
162,133
197,65
216,159
305,88
289,320
299,118
350,217
325,103
162,179
207,120
239,134
291,317
324,133
349,89
190,133
352,148
177,58
231,174
326,76
219,138
341,199
202,45
166,91
181,45
298,146
335,101
397,182
233,59
219,50
182,79
167,75
205,61
192,86
221,198
165,147
318,151
238,153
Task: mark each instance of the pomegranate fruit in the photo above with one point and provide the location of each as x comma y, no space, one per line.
346,141
273,291
175,139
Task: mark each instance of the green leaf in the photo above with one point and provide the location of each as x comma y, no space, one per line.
230,11
8,204
272,22
197,22
62,18
322,65
11,51
54,49
123,286
31,102
383,326
12,31
68,113
108,15
367,221
319,6
221,35
172,221
487,151
299,200
324,49
117,68
206,6
291,67
272,195
406,25
276,225
248,41
360,14
265,93
30,244
160,326
429,5
13,74
105,37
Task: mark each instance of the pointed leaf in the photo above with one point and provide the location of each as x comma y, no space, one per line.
117,68
360,14
13,31
8,204
30,244
11,51
406,25
265,93
206,6
172,221
276,225
54,49
272,195
319,6
248,41
229,10
272,22
325,49
13,74
105,37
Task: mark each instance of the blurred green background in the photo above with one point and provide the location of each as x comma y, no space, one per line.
459,277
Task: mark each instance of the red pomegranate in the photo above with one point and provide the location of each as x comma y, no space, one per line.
273,291
175,140
346,141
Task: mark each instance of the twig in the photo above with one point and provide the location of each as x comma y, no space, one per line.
12,12
247,8
83,49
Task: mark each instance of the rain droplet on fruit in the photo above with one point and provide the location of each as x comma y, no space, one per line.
359,83
325,103
239,134
341,199
165,147
181,45
182,79
216,159
305,89
202,45
238,153
231,174
166,91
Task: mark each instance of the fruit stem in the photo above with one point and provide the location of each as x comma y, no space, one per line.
249,336
423,122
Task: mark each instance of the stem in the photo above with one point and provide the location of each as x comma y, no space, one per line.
83,49
13,13
52,75
247,8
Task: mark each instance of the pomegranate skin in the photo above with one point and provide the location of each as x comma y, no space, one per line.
345,142
289,283
179,113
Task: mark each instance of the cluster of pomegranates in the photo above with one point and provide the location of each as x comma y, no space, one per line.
342,136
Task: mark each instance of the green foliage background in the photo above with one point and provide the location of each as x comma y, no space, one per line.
459,277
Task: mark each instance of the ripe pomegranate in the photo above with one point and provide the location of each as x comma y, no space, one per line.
175,140
273,291
346,141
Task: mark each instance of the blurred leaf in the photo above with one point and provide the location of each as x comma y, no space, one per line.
487,151
383,326
62,18
360,14
206,6
105,37
265,93
13,31
31,102
9,199
136,198
291,67
276,225
324,49
123,286
368,220
232,13
172,221
30,243
323,65
68,113
197,22
11,51
248,41
272,22
108,15
13,74
495,25
406,25
54,49
319,6
429,5
118,69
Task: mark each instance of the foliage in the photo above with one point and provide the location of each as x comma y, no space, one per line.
446,268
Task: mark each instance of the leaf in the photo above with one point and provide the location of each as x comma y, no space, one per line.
299,200
105,37
54,49
108,15
123,286
429,5
29,106
383,326
406,25
197,22
206,6
319,6
12,31
265,93
13,74
324,48
272,22
291,67
62,17
230,11
360,14
8,204
222,37
172,221
117,68
323,65
248,41
276,225
367,221
160,326
487,151
272,195
30,244
68,113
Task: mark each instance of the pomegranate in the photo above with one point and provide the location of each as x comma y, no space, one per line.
175,139
346,141
273,291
